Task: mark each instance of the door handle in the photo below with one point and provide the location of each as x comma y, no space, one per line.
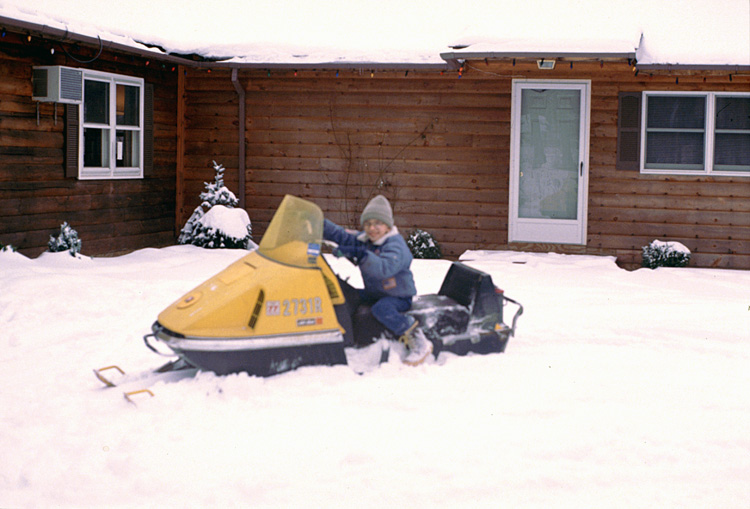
581,170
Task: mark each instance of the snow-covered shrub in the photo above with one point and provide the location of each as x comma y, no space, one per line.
222,227
66,240
216,223
7,249
665,254
423,245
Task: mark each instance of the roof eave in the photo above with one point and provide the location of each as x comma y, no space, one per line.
66,35
695,67
455,57
327,66
453,60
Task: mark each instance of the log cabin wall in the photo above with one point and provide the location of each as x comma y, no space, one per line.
437,145
626,209
434,144
111,216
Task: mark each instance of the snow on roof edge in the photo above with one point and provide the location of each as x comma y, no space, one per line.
283,56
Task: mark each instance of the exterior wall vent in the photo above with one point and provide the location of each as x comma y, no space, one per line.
58,84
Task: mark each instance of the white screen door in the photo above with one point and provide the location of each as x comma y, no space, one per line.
549,162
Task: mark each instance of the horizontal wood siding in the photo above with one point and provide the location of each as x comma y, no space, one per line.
438,146
35,196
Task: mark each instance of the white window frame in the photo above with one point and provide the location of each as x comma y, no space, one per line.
709,135
112,171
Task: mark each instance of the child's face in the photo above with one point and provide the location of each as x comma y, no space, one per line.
375,229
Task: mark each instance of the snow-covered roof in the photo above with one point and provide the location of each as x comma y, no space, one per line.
656,32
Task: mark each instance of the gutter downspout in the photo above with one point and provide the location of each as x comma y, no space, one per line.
241,140
180,157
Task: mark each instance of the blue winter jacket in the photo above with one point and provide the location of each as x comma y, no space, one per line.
385,267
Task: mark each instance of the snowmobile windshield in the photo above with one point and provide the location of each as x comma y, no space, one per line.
294,235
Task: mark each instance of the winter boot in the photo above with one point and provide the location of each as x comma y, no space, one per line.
419,346
406,336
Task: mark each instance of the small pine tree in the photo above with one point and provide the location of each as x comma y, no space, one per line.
665,254
423,245
223,227
66,240
198,233
217,193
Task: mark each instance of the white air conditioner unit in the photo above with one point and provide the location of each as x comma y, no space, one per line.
55,83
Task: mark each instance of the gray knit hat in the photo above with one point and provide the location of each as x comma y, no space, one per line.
379,209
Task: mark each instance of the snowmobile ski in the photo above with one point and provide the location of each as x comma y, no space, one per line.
130,395
140,383
103,379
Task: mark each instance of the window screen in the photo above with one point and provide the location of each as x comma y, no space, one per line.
675,132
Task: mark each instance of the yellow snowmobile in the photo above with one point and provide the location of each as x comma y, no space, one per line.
282,307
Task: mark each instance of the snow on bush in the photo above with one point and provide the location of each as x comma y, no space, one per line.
7,249
665,254
66,240
216,223
223,227
423,245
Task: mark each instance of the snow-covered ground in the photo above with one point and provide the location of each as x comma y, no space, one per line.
621,389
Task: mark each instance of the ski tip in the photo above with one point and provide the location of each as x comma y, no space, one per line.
129,395
103,379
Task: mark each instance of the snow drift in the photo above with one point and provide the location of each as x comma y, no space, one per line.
621,389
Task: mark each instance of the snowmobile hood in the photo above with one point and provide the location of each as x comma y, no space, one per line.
283,288
253,297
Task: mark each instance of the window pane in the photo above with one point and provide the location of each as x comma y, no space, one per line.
732,152
732,112
95,147
676,112
127,149
674,150
128,101
96,102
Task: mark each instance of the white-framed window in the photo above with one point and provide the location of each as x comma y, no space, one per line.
111,127
691,133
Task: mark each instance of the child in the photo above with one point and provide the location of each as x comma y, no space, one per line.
384,259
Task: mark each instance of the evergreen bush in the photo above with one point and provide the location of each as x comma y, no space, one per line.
8,248
216,223
423,245
66,240
222,227
665,254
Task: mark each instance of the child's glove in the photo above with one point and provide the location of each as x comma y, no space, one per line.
355,253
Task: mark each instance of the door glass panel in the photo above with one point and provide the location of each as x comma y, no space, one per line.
549,154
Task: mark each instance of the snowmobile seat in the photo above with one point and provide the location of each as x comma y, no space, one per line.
472,288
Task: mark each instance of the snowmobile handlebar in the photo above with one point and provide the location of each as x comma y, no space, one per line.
519,312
